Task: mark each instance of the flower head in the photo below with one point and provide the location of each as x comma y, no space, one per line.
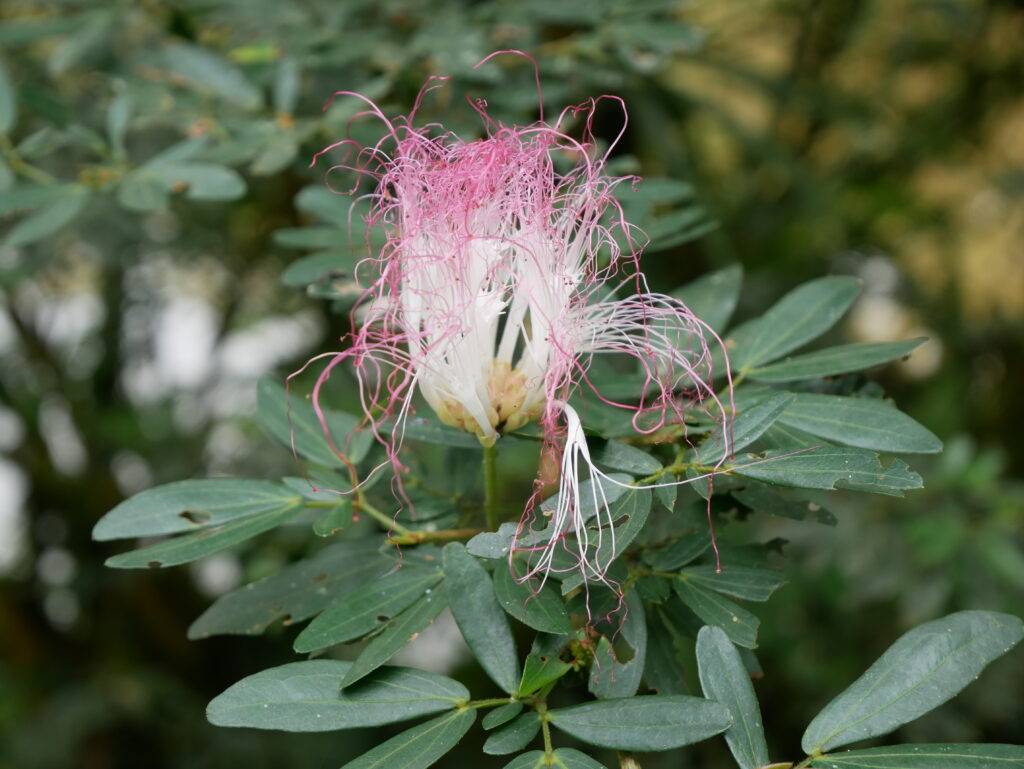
499,282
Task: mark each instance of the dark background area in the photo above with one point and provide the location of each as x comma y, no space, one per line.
881,139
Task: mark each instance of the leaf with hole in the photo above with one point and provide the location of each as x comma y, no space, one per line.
396,634
296,592
363,610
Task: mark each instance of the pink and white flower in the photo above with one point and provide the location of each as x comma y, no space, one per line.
499,282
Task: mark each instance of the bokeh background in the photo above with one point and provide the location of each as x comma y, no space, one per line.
880,138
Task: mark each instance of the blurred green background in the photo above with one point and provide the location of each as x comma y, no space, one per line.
883,139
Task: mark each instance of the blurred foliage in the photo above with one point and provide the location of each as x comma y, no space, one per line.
151,154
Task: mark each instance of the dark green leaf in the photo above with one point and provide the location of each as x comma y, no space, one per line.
762,499
687,548
738,623
419,747
292,421
396,634
746,582
950,756
803,314
515,736
567,758
190,505
310,237
543,664
295,593
663,668
629,459
480,617
307,697
713,297
924,668
611,676
199,544
834,360
868,423
539,608
724,679
359,612
535,759
502,715
648,723
829,467
747,427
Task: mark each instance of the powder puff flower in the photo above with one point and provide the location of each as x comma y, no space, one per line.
499,282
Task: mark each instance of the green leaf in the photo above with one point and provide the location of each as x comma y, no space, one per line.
208,73
738,623
834,360
949,756
746,582
292,421
493,544
924,668
535,759
629,459
762,499
199,181
295,593
49,219
118,115
747,427
611,677
713,297
199,544
867,423
803,314
419,747
829,467
515,736
663,668
287,84
190,505
361,611
8,101
543,664
567,758
429,430
309,237
396,634
636,506
279,151
724,679
307,697
316,267
502,715
542,609
479,616
648,723
687,548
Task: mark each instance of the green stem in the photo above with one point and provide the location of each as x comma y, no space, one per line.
441,535
491,486
493,703
389,523
19,166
